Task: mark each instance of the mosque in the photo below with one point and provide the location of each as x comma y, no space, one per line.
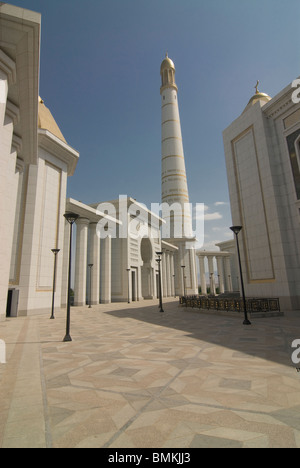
118,242
124,251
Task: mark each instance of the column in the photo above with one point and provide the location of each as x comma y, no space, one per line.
194,280
81,261
65,265
220,274
7,170
168,274
211,274
94,258
172,268
202,274
106,271
228,274
139,283
164,275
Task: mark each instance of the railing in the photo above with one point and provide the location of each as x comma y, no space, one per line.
231,304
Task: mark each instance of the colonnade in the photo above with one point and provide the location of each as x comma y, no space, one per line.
168,273
89,249
107,269
224,281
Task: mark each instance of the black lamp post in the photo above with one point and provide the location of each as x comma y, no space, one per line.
90,294
71,218
55,251
159,280
236,230
128,274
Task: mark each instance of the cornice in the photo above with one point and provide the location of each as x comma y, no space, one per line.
59,149
13,112
167,86
279,104
8,66
17,144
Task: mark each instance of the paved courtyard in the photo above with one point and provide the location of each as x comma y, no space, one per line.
133,377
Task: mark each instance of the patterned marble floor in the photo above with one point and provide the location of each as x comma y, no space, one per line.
134,377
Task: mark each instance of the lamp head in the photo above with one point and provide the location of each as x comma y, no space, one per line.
71,217
236,229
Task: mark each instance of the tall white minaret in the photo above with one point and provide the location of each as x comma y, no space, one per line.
174,184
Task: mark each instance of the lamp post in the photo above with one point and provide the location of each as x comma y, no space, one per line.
71,218
128,274
55,251
159,280
90,265
236,230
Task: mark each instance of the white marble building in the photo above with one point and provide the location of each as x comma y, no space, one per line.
35,162
19,82
120,239
262,148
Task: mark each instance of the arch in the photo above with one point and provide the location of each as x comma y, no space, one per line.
146,250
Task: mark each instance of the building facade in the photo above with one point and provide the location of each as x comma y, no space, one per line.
19,81
35,163
116,254
263,167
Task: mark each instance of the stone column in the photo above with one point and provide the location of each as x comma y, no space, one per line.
164,275
211,274
106,271
94,258
172,269
202,274
194,279
139,295
81,261
7,173
220,274
168,274
65,265
228,274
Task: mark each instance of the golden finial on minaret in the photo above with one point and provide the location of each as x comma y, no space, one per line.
256,87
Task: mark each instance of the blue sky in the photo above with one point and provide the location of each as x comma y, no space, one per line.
100,77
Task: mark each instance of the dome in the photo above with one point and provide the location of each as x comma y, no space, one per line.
262,98
167,63
46,121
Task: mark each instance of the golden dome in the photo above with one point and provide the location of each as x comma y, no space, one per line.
167,63
258,97
46,121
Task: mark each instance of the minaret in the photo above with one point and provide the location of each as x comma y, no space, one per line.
174,183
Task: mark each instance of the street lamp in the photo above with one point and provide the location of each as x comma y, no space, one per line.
71,218
55,251
90,299
236,230
128,271
159,280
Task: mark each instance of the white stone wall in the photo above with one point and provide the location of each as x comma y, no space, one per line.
43,230
263,201
8,182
